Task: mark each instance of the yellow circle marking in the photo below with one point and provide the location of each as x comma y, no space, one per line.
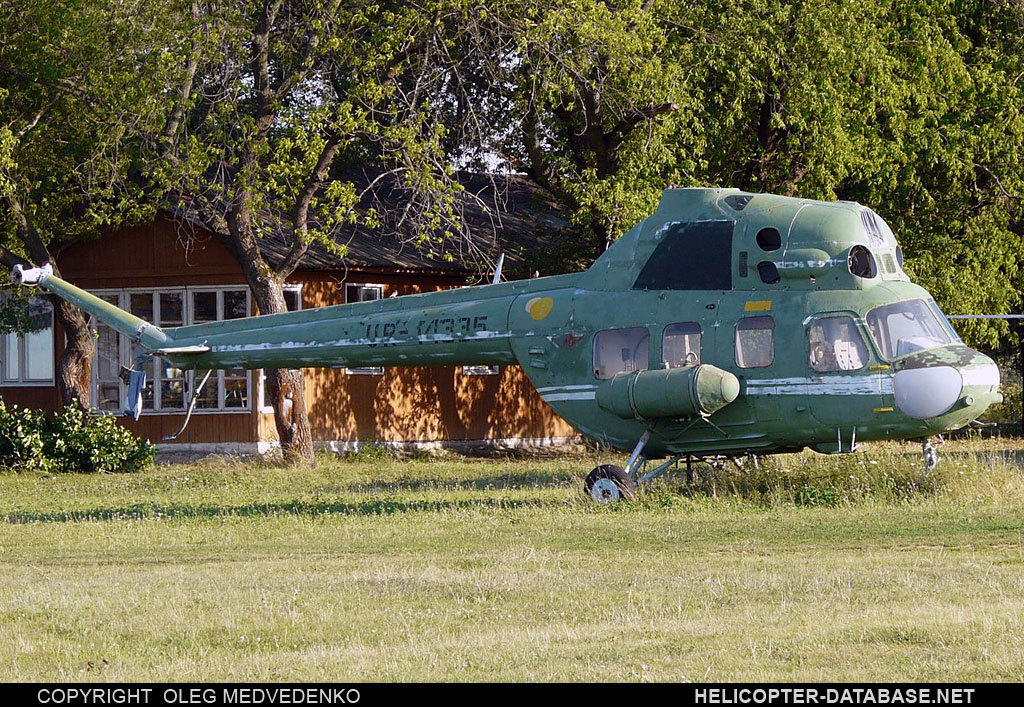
539,307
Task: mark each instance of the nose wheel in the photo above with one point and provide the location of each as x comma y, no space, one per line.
608,484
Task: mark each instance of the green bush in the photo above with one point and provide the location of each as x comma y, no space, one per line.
21,439
70,441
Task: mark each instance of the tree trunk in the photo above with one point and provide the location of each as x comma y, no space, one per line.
74,366
284,387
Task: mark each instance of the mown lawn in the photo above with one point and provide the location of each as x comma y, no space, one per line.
861,567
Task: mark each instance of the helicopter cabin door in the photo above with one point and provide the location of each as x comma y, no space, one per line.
842,385
748,337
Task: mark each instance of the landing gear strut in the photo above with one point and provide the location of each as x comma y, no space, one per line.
608,483
931,455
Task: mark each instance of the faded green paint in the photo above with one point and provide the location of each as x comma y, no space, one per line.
547,325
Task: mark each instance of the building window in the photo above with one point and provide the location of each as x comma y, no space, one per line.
481,370
680,345
755,342
107,392
27,359
617,350
224,389
364,293
168,388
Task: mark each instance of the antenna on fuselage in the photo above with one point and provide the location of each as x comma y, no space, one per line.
497,270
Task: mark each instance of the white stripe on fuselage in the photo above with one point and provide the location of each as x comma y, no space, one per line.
552,388
557,397
871,384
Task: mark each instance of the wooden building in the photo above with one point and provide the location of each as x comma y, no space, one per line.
172,272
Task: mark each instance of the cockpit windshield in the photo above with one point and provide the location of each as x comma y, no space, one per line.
904,327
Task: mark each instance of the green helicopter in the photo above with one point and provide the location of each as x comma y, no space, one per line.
725,324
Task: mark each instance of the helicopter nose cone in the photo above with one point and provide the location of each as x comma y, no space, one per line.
922,393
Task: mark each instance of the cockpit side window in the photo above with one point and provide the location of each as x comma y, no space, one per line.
680,345
944,321
755,342
617,350
901,328
836,345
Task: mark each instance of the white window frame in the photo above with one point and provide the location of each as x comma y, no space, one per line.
261,386
123,356
21,381
126,357
218,381
365,370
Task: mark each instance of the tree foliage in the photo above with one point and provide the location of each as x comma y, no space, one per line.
911,108
56,183
252,115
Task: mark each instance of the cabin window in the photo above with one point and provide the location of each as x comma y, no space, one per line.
168,388
769,239
902,328
27,358
680,345
768,272
690,256
618,350
835,344
738,201
755,342
941,316
364,293
875,228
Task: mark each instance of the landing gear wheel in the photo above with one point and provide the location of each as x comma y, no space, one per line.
608,484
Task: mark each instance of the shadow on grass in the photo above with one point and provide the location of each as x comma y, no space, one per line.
498,482
381,507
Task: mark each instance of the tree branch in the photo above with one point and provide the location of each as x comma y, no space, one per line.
261,65
178,112
540,169
626,125
9,258
35,121
300,214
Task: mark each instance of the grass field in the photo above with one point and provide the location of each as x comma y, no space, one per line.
861,567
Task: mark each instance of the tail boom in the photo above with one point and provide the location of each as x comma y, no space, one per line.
468,326
150,337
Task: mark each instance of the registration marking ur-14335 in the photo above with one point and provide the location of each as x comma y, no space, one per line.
434,330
